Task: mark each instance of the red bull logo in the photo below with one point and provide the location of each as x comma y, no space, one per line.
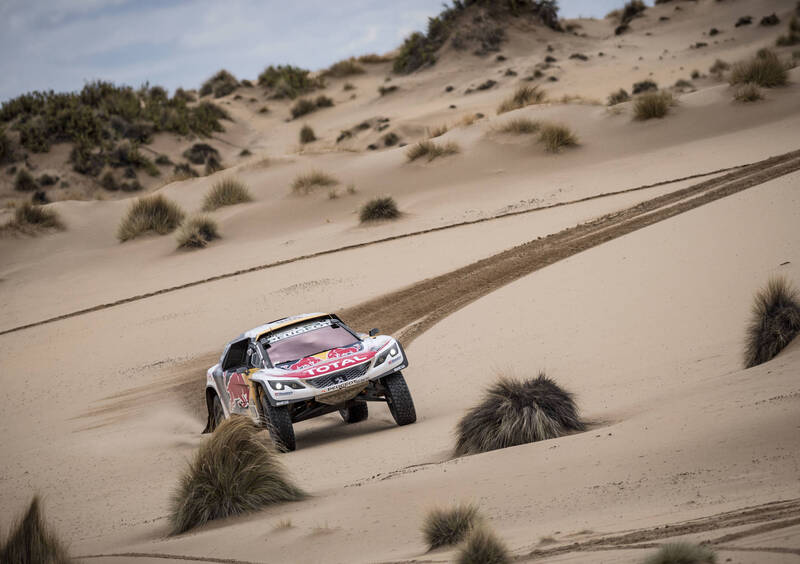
304,363
238,390
338,353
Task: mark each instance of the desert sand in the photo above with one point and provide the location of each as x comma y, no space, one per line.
636,301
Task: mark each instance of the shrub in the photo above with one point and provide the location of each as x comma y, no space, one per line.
199,152
323,102
384,90
226,192
644,86
682,553
24,181
108,181
347,67
515,412
792,37
32,541
483,547
379,208
6,147
29,218
154,214
431,150
523,96
555,136
245,153
307,134
445,527
520,126
236,471
197,232
163,160
213,165
631,10
774,322
183,171
221,84
748,92
415,52
437,131
652,105
374,59
719,67
765,69
287,81
302,107
618,97
305,183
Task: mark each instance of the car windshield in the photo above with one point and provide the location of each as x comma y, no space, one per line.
310,341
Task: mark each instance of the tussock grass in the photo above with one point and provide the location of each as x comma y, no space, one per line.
515,412
521,126
523,96
438,131
24,181
29,218
765,69
31,541
774,322
483,547
682,553
306,183
749,92
346,67
237,470
652,105
197,232
226,192
618,97
375,59
378,209
199,153
154,214
554,137
431,150
307,135
719,67
446,527
287,81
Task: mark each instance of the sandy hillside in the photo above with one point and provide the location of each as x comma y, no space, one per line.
624,267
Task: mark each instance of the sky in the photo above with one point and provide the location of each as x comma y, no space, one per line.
62,44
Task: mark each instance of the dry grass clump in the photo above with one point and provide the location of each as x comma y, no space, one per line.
446,527
431,150
523,96
305,183
197,233
483,547
555,136
792,37
749,92
307,135
521,126
652,105
774,322
515,412
765,69
154,214
29,219
682,553
226,192
307,105
618,97
237,470
378,209
438,131
24,181
347,67
31,541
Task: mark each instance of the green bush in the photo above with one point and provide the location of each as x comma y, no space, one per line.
554,137
447,527
765,70
307,134
379,209
24,181
226,192
221,84
197,232
32,541
154,214
287,81
652,105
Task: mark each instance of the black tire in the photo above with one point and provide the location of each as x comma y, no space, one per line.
217,415
355,413
279,424
401,406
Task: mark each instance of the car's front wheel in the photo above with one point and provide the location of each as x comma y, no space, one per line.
355,412
279,424
401,406
217,415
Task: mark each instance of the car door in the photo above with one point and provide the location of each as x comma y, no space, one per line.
234,370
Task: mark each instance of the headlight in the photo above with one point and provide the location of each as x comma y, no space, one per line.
393,352
283,384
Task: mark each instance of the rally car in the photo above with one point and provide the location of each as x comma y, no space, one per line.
300,367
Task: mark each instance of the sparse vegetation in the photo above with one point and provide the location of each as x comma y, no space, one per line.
346,67
32,541
682,553
523,96
379,209
431,150
287,81
236,471
227,192
197,232
644,86
307,105
652,105
438,131
520,126
306,183
24,181
374,59
554,137
199,153
618,97
719,67
515,412
748,92
774,322
30,219
307,135
384,90
792,37
483,547
152,214
221,84
765,69
446,527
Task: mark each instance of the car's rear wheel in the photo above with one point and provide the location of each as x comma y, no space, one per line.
217,415
279,424
355,412
401,406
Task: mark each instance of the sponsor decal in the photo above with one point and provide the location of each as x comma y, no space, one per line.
305,363
238,390
274,338
338,364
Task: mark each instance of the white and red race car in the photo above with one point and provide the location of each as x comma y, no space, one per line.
304,366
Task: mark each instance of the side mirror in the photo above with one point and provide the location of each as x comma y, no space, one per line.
373,332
